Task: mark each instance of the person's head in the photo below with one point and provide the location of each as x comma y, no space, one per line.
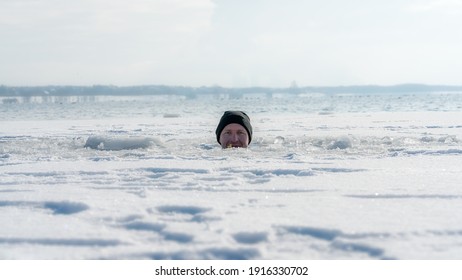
234,130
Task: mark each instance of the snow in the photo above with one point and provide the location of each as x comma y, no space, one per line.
326,177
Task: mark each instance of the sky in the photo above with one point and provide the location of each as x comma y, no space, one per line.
230,43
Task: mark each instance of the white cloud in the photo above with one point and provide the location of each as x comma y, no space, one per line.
230,43
96,38
441,6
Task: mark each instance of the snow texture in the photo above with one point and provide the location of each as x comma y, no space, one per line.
326,177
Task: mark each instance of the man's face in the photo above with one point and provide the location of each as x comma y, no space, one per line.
234,135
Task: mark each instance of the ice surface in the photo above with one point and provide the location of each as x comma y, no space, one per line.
326,177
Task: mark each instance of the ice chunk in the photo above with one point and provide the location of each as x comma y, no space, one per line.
340,143
120,143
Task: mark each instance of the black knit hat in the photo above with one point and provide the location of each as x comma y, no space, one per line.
238,117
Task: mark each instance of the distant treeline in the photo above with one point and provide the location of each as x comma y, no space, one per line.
214,90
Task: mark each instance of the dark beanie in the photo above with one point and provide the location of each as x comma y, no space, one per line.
238,117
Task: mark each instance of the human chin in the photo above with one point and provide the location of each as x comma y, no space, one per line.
234,145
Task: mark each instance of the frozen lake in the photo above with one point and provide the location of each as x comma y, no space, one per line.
326,177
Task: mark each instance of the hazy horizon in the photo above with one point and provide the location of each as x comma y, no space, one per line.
270,43
237,87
